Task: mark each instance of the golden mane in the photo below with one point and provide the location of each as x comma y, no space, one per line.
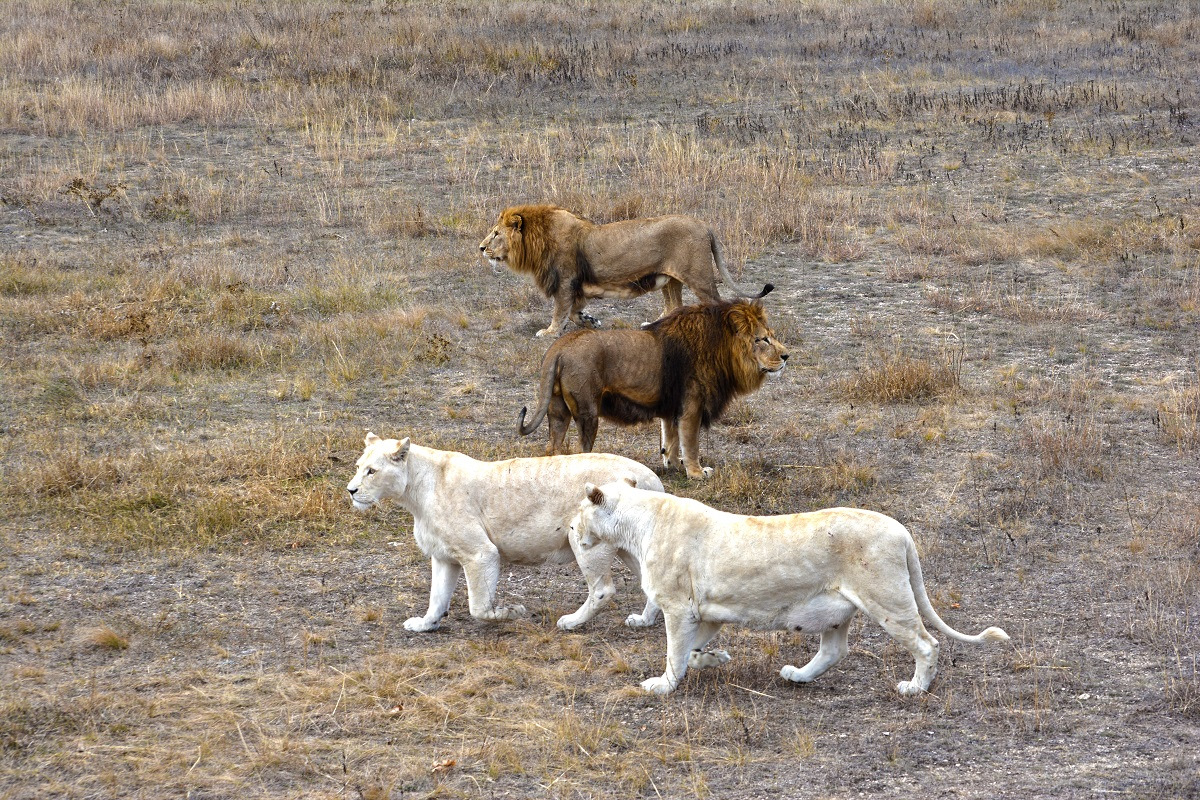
530,240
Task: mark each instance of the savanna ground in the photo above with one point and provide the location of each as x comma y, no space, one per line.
237,235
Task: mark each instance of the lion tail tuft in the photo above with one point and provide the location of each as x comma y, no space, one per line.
917,579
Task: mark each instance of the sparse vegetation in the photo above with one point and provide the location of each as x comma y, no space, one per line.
237,235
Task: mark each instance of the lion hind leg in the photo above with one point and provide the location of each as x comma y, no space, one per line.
834,647
559,423
902,621
672,293
441,588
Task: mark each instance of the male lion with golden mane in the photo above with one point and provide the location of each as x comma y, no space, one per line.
683,368
572,260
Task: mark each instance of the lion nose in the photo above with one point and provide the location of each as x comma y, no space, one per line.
783,356
351,491
482,248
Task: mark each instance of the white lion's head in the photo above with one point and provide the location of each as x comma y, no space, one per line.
594,522
381,472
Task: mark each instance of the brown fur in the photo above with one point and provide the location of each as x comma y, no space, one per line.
683,369
571,259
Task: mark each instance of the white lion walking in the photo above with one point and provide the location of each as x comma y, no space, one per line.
808,573
471,516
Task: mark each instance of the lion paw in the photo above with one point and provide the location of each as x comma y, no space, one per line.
419,625
639,621
909,688
659,685
794,674
708,658
699,474
569,622
588,321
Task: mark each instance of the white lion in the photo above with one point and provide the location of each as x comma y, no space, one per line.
808,573
471,516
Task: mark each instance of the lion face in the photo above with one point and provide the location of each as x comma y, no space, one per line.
495,246
380,473
769,354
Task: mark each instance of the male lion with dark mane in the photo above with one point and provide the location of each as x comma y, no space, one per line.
572,260
683,368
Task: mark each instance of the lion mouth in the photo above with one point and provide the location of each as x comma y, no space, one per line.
360,505
773,370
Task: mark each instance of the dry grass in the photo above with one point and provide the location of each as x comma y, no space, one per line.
238,235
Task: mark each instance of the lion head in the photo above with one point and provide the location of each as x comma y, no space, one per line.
520,238
380,473
757,353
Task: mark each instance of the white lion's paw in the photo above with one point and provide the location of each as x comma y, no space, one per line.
659,685
509,612
793,674
707,658
569,622
419,625
639,621
908,688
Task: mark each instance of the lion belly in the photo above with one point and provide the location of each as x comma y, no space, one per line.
626,290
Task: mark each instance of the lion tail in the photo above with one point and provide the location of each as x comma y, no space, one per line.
719,259
545,391
917,579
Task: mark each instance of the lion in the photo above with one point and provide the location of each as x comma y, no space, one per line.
808,573
683,369
473,516
573,260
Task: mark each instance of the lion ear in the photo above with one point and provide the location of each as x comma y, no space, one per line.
593,494
401,451
631,481
518,222
371,439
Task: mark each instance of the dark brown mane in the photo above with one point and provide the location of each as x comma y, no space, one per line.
704,344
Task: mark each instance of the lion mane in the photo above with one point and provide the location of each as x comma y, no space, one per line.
683,369
572,260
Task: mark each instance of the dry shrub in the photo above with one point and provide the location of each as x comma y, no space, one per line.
1178,416
1074,446
897,376
102,637
211,350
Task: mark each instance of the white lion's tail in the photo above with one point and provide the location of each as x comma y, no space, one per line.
917,579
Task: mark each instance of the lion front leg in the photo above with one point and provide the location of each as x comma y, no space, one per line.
483,573
649,614
441,587
596,565
669,443
690,422
558,319
682,627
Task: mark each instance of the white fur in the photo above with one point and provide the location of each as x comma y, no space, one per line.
473,516
807,573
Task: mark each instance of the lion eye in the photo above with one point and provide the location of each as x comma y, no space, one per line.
370,470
